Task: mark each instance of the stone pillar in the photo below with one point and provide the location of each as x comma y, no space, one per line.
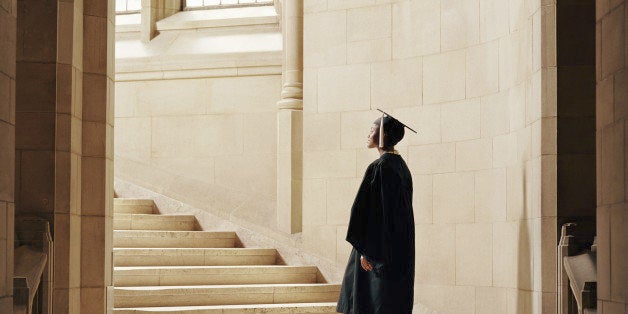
8,18
612,155
290,121
153,11
97,157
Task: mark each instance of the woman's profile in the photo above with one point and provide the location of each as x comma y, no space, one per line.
379,277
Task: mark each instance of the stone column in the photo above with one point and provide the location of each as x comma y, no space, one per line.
290,121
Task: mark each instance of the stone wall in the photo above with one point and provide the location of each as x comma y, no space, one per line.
477,79
612,105
210,142
8,18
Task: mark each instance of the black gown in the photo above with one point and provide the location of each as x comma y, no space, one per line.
381,228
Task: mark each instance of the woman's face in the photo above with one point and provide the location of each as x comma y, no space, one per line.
372,139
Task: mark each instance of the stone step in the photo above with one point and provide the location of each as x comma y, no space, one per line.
224,294
220,18
212,275
172,239
154,222
133,206
193,256
323,307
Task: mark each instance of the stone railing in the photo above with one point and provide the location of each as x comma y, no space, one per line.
32,278
576,262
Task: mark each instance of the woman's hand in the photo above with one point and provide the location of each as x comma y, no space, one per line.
365,264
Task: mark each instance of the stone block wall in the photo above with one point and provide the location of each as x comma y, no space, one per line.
8,25
477,79
612,105
210,142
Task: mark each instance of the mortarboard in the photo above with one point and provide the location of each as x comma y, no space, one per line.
381,126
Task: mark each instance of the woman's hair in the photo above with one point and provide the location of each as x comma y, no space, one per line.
393,132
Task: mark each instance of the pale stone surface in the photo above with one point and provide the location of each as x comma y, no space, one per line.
493,19
396,84
369,23
461,299
326,39
426,120
490,300
491,195
416,28
453,198
344,88
369,50
444,77
422,201
474,155
340,194
482,69
474,266
495,115
461,120
434,158
460,25
435,265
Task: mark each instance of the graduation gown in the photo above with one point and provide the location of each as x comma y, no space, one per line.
381,229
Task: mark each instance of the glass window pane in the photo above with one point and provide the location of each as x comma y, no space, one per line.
120,5
194,3
134,5
211,2
229,1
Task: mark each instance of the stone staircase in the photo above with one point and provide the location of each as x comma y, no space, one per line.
163,263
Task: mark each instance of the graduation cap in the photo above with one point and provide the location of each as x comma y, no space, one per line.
394,127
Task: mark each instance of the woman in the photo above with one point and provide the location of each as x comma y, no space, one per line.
379,277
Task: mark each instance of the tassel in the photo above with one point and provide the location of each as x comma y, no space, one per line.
381,132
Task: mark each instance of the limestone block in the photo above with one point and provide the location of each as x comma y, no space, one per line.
474,266
613,45
548,185
320,240
534,100
126,98
201,169
490,300
618,246
355,127
4,288
495,115
444,77
167,97
422,198
490,195
516,107
94,97
504,150
7,162
493,19
515,192
416,28
35,131
133,138
474,154
461,299
601,8
620,95
344,88
37,173
548,36
94,299
604,103
348,4
95,44
96,8
93,171
236,172
454,198
482,69
39,44
94,139
213,131
545,249
256,94
506,249
325,39
63,178
340,193
343,248
433,158
322,131
375,50
461,120
329,164
175,136
524,144
310,90
8,37
460,27
435,264
65,16
313,6
612,163
259,132
5,98
37,92
369,23
93,251
426,120
396,83
314,202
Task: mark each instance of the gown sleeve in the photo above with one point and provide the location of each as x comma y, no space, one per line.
372,223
